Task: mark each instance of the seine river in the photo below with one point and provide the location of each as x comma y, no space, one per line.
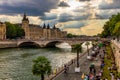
16,64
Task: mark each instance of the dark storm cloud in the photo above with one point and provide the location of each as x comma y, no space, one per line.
103,16
68,17
106,5
75,25
32,7
49,16
63,4
106,14
65,17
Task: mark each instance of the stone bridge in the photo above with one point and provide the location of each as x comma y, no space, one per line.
53,42
43,42
47,43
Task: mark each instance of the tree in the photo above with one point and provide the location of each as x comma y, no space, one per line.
69,35
116,30
110,26
20,32
87,44
41,67
14,31
77,48
10,30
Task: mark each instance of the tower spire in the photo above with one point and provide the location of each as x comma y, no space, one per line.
44,26
54,27
48,26
25,17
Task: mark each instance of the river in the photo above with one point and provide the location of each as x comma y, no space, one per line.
16,63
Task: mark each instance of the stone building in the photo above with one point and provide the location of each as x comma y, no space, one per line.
2,31
39,32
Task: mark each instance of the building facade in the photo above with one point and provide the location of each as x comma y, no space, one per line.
41,32
2,31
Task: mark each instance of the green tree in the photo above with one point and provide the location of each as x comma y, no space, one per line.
106,31
41,67
87,44
20,32
77,48
110,26
10,30
69,35
13,31
116,30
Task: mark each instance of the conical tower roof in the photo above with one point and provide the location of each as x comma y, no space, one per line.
25,17
44,26
54,27
48,26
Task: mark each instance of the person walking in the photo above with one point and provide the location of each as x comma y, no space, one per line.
86,77
83,76
66,69
94,70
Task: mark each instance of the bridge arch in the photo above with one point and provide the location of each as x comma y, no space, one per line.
52,43
29,44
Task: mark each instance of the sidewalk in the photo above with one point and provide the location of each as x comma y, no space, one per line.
84,68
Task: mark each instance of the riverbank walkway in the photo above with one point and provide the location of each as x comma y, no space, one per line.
84,68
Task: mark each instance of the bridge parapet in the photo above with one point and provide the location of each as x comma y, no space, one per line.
44,42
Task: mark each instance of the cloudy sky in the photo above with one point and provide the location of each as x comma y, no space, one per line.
84,17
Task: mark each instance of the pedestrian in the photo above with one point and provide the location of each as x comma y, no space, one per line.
65,69
91,76
102,65
118,78
86,77
83,76
90,68
55,71
94,70
97,77
100,74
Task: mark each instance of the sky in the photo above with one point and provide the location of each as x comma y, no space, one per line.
80,17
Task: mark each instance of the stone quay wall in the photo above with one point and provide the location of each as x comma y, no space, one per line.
116,50
8,44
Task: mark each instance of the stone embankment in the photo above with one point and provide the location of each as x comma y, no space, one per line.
116,50
8,44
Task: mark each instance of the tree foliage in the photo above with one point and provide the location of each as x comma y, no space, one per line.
13,31
116,30
111,27
41,67
69,35
77,47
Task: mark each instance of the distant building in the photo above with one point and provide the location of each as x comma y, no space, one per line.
2,31
38,32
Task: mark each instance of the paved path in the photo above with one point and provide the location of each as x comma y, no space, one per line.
84,68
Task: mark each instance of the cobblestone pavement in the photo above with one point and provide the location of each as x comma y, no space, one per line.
84,68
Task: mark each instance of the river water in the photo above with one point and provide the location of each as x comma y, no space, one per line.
16,64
